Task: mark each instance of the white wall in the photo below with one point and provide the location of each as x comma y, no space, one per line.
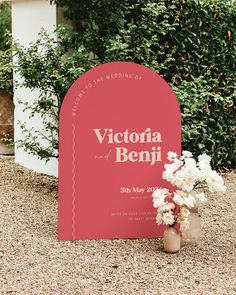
28,18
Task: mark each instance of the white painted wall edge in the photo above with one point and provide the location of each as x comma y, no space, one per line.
28,18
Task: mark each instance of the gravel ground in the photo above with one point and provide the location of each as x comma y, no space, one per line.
32,261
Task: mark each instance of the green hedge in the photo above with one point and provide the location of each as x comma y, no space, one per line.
6,78
190,43
5,24
208,121
179,39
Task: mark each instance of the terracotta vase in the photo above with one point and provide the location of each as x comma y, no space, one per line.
171,240
6,123
193,232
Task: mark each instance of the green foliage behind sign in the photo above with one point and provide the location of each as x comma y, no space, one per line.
5,24
208,121
190,43
179,39
6,82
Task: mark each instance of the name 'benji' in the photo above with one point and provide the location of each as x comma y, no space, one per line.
122,153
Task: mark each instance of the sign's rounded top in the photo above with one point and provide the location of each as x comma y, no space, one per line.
119,74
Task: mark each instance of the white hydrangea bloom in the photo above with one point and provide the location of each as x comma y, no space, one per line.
183,218
159,218
161,193
201,198
178,198
178,163
189,201
187,154
190,162
165,208
191,177
159,202
204,158
159,196
184,213
171,156
168,207
215,182
167,175
168,218
204,166
205,169
182,176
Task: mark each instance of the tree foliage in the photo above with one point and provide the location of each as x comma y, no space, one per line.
50,65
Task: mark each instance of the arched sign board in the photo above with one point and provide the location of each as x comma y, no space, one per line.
117,123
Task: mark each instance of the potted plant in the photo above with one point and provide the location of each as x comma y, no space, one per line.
190,177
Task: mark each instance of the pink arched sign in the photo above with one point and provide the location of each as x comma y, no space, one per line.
117,123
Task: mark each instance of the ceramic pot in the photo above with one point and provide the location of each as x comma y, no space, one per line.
193,232
171,240
6,123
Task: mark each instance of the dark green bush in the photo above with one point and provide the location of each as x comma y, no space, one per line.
6,74
190,43
208,121
179,39
5,25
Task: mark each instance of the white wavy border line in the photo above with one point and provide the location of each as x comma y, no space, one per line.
73,182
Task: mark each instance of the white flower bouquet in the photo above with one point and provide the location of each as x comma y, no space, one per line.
168,211
190,177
